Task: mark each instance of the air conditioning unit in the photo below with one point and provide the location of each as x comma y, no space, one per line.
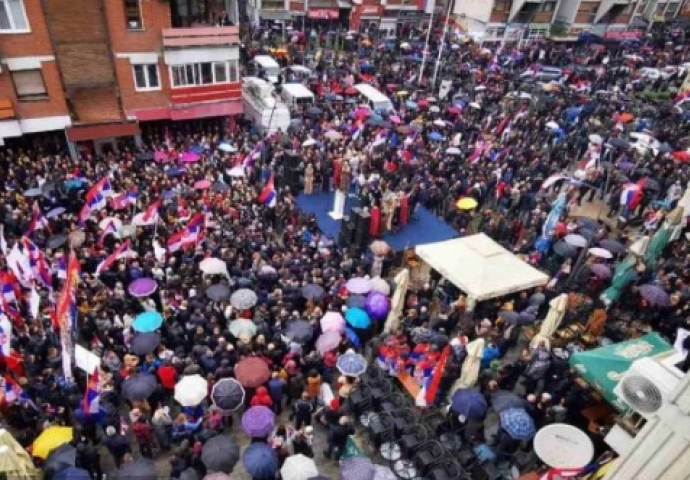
646,386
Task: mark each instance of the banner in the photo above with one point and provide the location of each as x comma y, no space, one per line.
444,88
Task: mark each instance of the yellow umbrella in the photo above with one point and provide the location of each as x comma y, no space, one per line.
402,93
50,439
467,203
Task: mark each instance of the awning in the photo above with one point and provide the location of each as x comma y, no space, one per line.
275,15
10,128
344,4
81,133
206,111
602,368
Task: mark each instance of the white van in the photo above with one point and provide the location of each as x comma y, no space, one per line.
297,94
267,67
375,99
263,107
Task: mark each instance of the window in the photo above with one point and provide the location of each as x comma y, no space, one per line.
13,16
133,15
205,73
547,7
146,77
500,5
29,85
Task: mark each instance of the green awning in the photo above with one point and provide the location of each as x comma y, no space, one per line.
604,367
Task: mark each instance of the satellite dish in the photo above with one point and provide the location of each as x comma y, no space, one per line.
563,446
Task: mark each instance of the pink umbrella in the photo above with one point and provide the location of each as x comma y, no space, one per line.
202,185
160,156
328,341
395,119
190,157
333,322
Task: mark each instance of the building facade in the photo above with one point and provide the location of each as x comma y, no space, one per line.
98,68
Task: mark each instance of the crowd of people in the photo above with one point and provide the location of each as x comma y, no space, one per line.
79,232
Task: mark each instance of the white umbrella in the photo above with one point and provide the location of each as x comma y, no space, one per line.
402,280
191,390
378,284
600,252
435,109
309,142
453,151
298,467
236,172
242,328
576,240
595,139
475,105
226,147
471,364
213,266
439,122
480,88
552,321
553,125
300,69
405,45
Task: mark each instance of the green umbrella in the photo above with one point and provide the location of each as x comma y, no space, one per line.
662,237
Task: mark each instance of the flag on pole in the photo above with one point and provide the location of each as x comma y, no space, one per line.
93,392
34,303
5,335
119,253
268,195
110,228
436,376
40,268
9,292
151,213
95,199
189,235
38,221
20,265
123,200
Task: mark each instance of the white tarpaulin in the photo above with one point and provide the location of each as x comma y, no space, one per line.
480,267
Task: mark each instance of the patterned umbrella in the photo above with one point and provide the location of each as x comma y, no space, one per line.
518,424
357,468
227,394
359,285
260,461
656,296
328,341
258,422
144,343
220,454
357,317
252,372
142,287
298,467
313,292
242,328
147,322
138,386
191,390
352,364
469,403
332,321
243,299
218,292
299,331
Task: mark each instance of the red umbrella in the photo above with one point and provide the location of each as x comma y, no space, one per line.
351,91
252,372
681,156
423,103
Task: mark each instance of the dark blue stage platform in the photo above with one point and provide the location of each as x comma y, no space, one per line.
427,228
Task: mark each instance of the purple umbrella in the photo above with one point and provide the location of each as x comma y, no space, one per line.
656,296
358,285
378,305
142,287
258,422
600,270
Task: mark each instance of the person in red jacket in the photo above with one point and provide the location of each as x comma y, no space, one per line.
261,398
168,377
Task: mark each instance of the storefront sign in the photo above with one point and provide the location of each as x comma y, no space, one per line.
623,35
323,13
373,10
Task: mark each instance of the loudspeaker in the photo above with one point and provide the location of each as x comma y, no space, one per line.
347,232
362,223
291,171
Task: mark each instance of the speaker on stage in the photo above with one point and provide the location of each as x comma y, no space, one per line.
291,171
362,220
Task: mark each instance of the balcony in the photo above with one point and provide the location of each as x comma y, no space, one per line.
524,11
174,38
609,10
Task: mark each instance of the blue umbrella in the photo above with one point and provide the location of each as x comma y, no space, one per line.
299,331
357,317
56,212
469,403
144,343
196,149
73,184
72,473
260,461
313,292
353,337
518,424
436,137
147,322
411,105
356,301
352,364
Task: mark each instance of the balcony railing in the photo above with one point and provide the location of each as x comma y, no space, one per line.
200,37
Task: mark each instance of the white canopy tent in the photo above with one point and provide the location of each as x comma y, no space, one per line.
480,267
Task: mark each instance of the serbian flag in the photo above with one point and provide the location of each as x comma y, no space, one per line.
38,221
5,336
110,228
93,391
13,391
194,230
40,268
436,376
123,200
95,199
151,213
631,195
119,253
479,148
175,241
9,292
268,195
65,310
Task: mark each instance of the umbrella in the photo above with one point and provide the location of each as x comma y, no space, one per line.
218,292
258,422
600,270
402,280
377,305
467,203
453,151
243,299
352,337
260,461
619,143
563,249
55,212
50,439
352,364
356,301
357,468
190,157
612,246
147,322
436,137
469,403
191,390
60,458
333,135
554,317
138,386
56,241
379,285
252,372
299,331
575,240
656,296
357,318
72,473
517,423
511,317
358,285
142,287
227,394
332,321
380,248
142,469
213,266
242,328
220,187
226,147
313,292
144,343
328,341
504,400
600,252
33,192
298,467
220,454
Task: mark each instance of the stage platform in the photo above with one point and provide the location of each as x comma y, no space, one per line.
427,228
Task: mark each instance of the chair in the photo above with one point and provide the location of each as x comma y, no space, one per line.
359,400
428,454
380,391
381,429
446,469
404,417
412,437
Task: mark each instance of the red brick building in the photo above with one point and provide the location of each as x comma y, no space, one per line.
97,68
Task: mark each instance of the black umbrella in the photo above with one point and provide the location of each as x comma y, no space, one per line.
651,184
565,250
612,246
243,282
313,292
299,331
504,400
138,386
62,458
227,394
145,343
587,233
139,469
619,143
218,292
56,241
314,111
220,454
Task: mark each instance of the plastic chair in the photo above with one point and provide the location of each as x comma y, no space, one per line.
412,437
359,401
428,454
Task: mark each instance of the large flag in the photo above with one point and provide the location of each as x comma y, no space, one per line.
189,235
5,336
151,213
9,293
119,253
20,265
66,303
95,199
40,268
93,392
124,199
268,195
38,221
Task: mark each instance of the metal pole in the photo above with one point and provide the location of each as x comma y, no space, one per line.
426,48
443,41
